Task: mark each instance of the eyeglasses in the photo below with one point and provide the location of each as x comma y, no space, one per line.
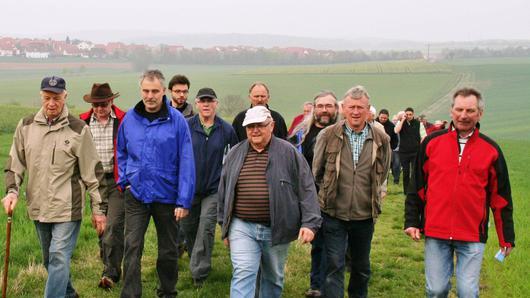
177,91
326,106
100,104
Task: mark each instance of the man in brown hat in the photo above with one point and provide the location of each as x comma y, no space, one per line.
103,120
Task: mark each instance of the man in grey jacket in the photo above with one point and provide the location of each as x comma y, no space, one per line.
267,199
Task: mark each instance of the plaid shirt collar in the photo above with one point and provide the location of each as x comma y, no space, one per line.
356,140
93,117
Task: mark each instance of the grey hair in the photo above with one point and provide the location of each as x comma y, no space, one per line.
465,92
357,92
151,75
306,124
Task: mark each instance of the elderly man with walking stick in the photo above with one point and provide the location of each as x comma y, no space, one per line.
56,150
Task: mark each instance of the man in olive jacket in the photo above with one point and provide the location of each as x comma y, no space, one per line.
350,164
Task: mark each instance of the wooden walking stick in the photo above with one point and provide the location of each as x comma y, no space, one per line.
6,258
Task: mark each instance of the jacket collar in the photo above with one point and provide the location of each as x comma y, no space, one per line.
61,121
452,129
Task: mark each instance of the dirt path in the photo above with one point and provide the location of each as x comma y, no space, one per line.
464,80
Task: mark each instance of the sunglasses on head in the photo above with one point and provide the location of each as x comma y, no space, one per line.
100,104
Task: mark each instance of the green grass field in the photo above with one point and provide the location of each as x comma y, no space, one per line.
397,261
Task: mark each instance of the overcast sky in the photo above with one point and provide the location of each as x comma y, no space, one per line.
417,20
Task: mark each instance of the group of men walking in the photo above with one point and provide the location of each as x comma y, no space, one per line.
323,183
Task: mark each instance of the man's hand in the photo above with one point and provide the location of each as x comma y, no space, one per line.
226,242
305,235
506,251
180,213
414,233
9,202
99,222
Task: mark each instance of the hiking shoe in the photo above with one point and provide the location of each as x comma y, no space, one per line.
199,282
313,293
106,283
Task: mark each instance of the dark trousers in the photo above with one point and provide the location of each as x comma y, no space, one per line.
407,162
111,242
137,216
199,229
358,234
396,166
318,262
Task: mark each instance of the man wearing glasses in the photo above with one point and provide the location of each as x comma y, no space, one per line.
179,86
267,198
103,120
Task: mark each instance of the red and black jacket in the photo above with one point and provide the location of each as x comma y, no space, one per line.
119,116
450,199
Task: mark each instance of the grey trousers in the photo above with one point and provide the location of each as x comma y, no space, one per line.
112,239
199,230
137,216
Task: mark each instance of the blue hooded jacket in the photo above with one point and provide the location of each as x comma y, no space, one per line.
156,158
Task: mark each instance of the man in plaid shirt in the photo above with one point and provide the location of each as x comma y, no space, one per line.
350,164
104,119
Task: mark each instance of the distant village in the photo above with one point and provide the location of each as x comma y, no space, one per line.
34,48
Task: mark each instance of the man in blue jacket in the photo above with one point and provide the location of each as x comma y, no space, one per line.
267,198
157,173
212,138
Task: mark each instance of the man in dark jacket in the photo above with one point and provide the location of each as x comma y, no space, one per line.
389,129
212,138
157,172
259,95
267,199
410,131
104,119
459,174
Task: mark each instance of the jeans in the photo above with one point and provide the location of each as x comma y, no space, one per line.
199,228
137,216
318,262
358,235
407,162
396,166
112,239
439,267
250,245
57,241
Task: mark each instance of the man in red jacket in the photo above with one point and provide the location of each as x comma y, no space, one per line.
459,174
104,118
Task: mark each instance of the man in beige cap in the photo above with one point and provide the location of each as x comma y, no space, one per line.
267,198
104,119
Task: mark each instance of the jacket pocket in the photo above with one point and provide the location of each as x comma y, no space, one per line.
62,158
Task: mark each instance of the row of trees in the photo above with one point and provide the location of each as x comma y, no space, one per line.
485,53
261,56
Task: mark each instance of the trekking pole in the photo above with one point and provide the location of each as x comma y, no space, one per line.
6,258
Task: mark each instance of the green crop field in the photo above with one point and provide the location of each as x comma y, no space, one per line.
393,85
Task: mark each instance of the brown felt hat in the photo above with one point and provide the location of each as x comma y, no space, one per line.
100,93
